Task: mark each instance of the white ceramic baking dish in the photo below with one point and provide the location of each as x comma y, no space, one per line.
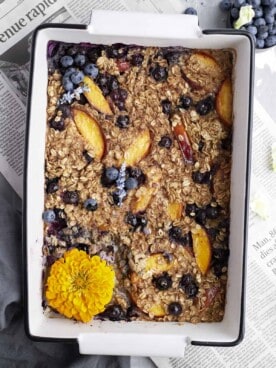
138,338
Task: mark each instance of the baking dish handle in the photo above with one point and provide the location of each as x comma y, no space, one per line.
133,344
115,23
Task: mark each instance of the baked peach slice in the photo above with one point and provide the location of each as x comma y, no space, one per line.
95,97
224,102
202,71
91,131
141,202
157,263
138,149
157,310
202,249
175,210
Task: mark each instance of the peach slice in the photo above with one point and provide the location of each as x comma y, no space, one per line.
157,310
140,203
224,102
90,131
183,142
202,71
138,149
95,97
202,249
158,263
175,210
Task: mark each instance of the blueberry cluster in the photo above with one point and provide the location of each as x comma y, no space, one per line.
176,235
201,214
263,24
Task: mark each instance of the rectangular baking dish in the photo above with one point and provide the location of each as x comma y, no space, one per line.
138,338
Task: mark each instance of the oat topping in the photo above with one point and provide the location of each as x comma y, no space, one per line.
137,172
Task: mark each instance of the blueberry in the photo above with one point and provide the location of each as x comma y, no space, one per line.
116,51
119,95
260,43
94,53
142,221
113,83
188,285
191,290
72,50
166,107
259,22
201,177
131,183
165,142
258,13
69,71
187,239
79,60
137,59
190,11
87,157
135,172
114,313
71,197
57,124
122,121
235,13
186,280
225,5
163,282
91,204
159,73
66,61
270,41
175,309
212,212
191,209
118,196
269,19
176,235
201,216
120,105
238,3
172,57
255,3
49,216
77,77
252,29
262,36
131,219
91,70
67,83
268,2
204,106
109,176
185,102
52,185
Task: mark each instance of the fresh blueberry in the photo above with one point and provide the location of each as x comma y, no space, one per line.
260,43
255,3
163,282
91,204
268,2
258,12
79,60
259,22
69,71
235,13
204,106
252,29
77,77
52,185
201,177
238,3
66,61
49,216
71,197
165,141
270,41
175,309
269,19
135,172
225,5
159,73
109,176
190,11
262,36
67,83
212,212
166,107
91,70
137,59
185,102
131,183
122,121
57,124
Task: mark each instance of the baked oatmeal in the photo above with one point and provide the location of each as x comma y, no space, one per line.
137,172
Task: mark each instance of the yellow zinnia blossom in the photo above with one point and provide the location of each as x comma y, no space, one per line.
79,286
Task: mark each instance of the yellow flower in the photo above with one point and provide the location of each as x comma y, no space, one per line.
79,286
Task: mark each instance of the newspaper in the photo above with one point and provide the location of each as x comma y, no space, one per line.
18,19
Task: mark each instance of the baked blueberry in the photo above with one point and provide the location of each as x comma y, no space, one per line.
131,219
52,185
191,209
204,106
201,216
135,172
220,254
166,106
91,204
71,197
185,102
137,59
191,290
188,285
212,212
109,176
122,121
165,141
114,313
159,73
162,282
201,177
175,309
57,123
